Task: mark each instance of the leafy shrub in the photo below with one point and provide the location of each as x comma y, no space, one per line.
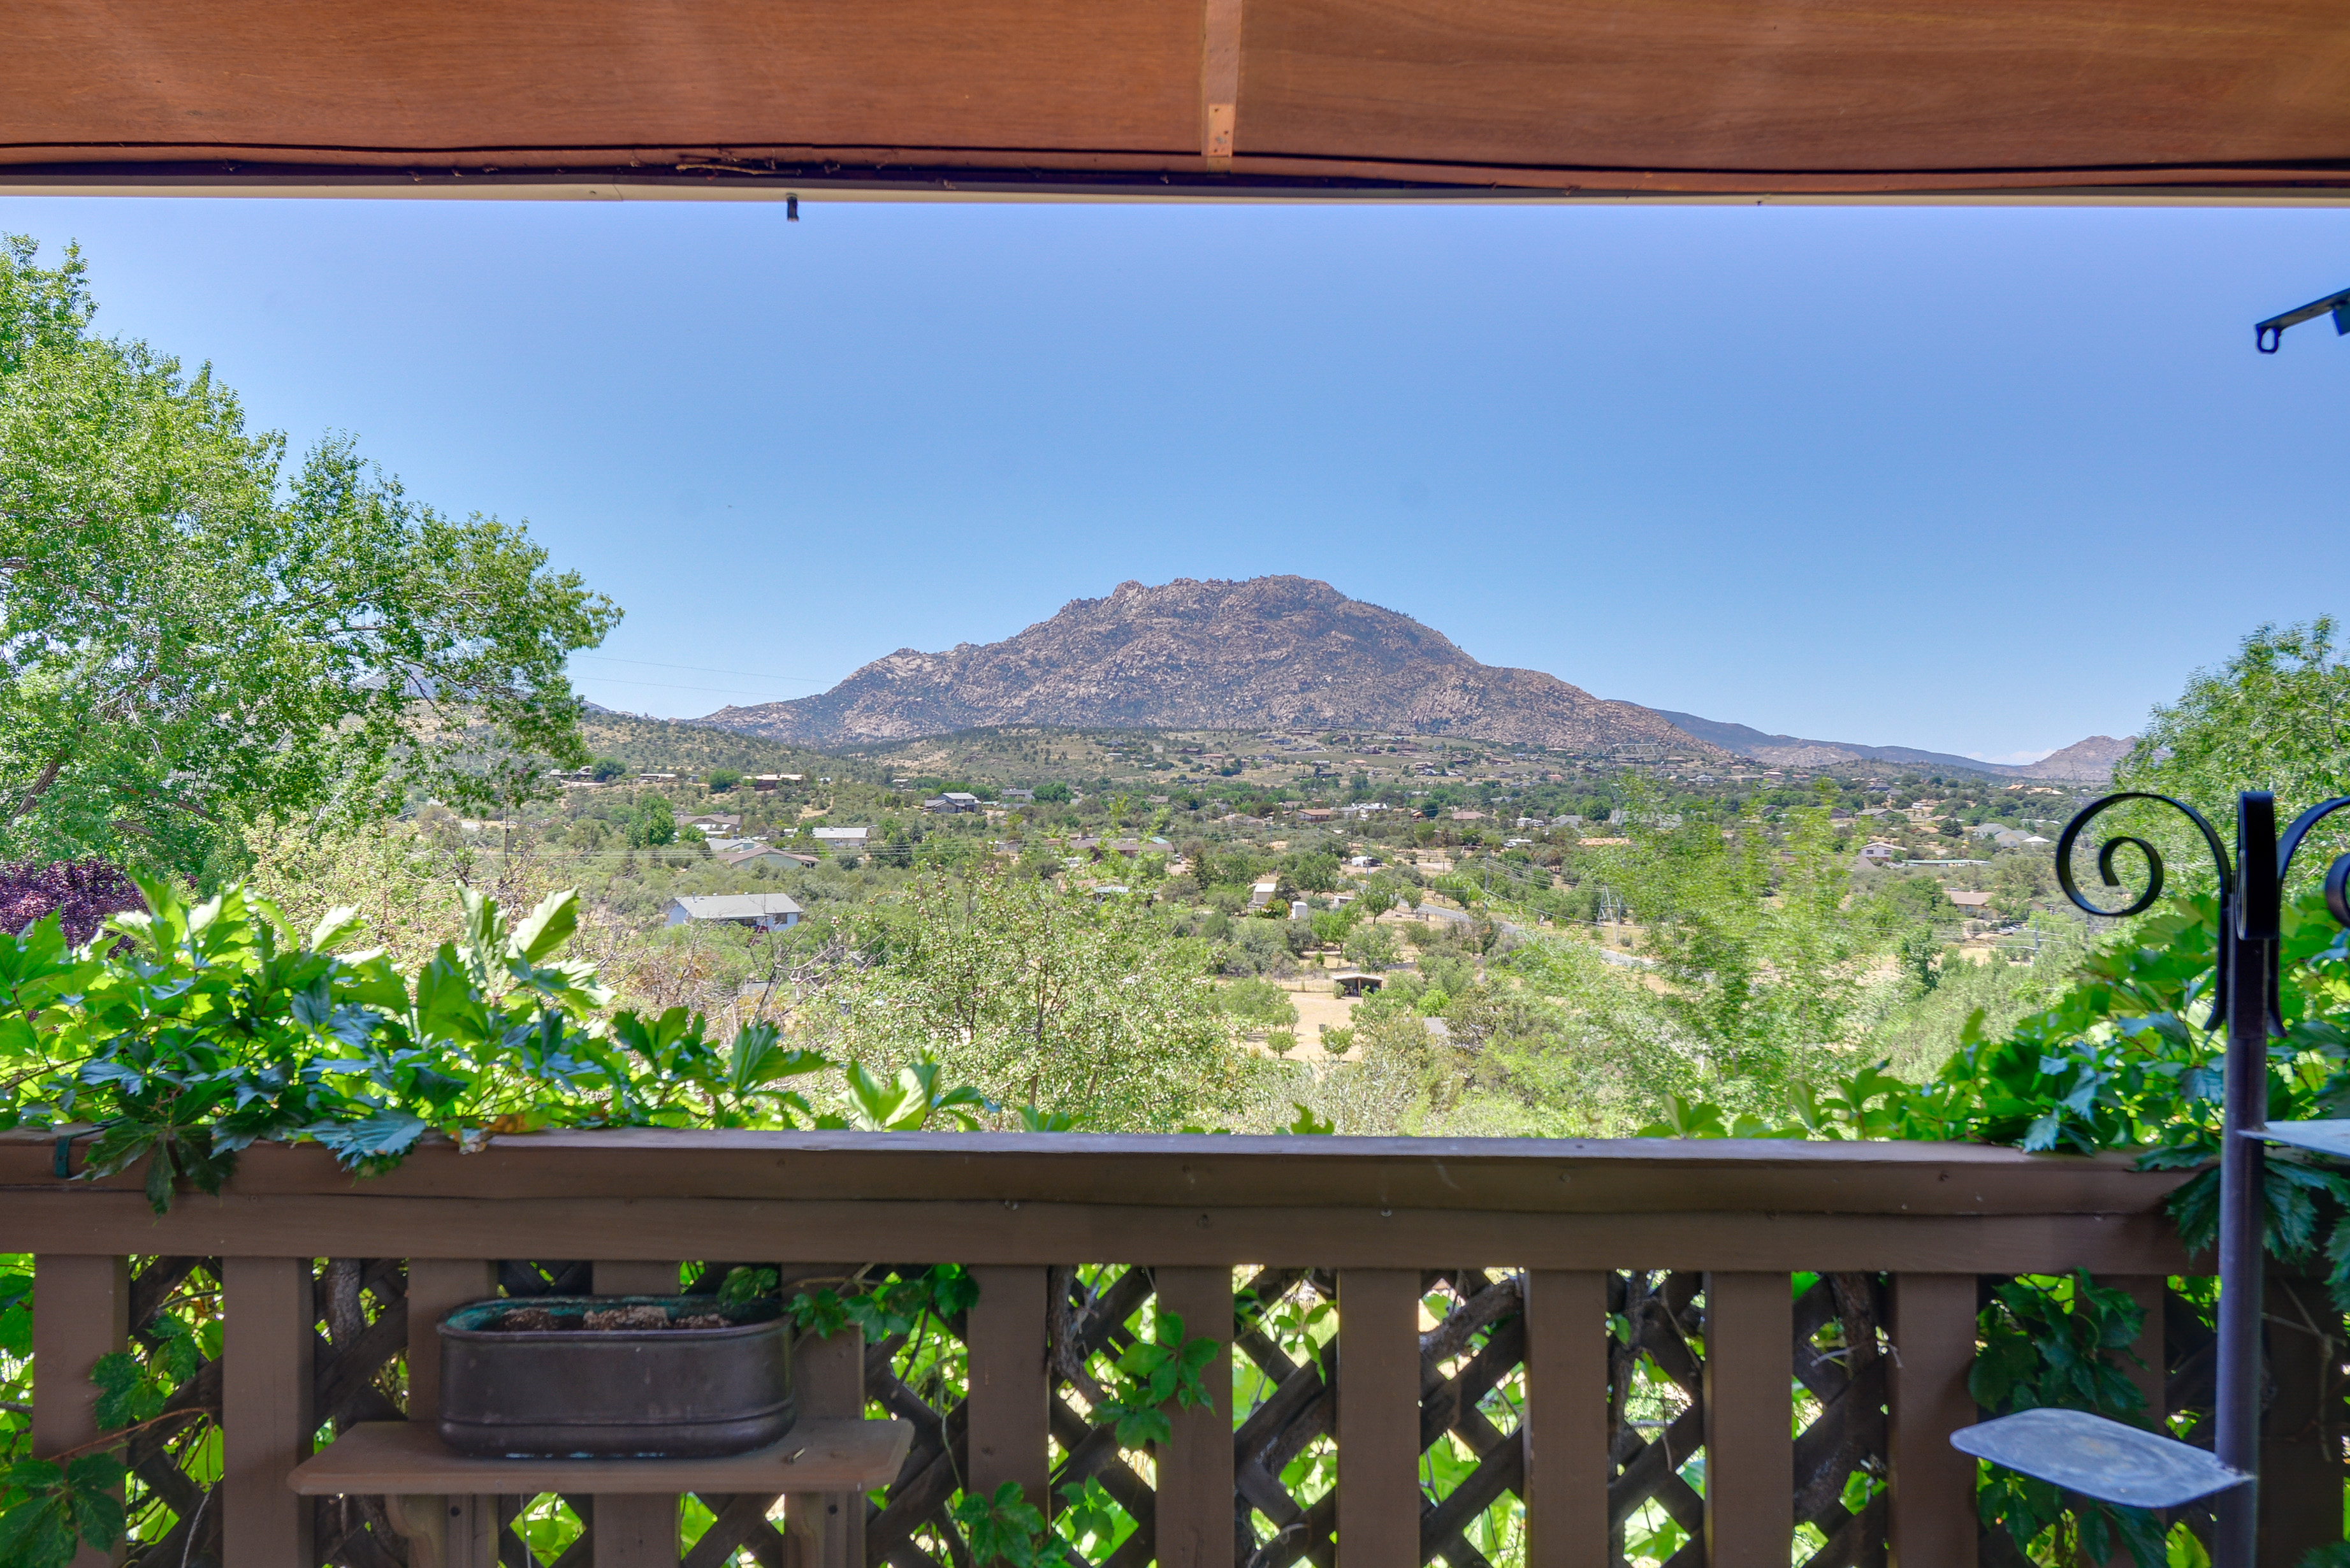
1257,946
82,894
652,824
215,1026
1258,1001
1370,947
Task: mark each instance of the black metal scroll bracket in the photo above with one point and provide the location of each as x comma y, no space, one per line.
2108,1460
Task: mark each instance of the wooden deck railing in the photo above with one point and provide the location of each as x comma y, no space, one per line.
1556,1265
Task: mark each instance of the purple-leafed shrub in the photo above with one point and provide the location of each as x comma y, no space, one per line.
82,893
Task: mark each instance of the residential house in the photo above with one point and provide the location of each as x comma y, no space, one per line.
1463,814
843,840
1260,894
954,800
1877,852
1970,901
714,824
1020,796
752,854
761,911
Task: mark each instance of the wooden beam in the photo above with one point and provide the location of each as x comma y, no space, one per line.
1528,1176
1220,80
82,1312
827,1529
1007,1404
1777,96
1564,1426
1750,1453
634,1531
377,1458
268,1336
464,1527
1045,1233
435,1286
2302,1471
1194,1524
1932,1331
1378,1418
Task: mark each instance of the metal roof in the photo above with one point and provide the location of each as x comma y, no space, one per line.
2067,99
736,905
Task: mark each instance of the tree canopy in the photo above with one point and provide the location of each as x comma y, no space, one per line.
195,635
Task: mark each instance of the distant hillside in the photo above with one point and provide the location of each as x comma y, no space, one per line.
685,746
2087,762
2084,762
1286,652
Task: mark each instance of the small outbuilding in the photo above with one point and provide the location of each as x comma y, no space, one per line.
1355,983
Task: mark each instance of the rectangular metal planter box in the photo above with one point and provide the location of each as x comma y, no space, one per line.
614,1393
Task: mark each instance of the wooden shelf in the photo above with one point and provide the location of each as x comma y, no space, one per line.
408,1459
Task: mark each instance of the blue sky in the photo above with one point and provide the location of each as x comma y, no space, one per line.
1977,479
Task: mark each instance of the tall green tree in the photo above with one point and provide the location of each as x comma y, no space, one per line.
1752,932
2275,716
195,636
1043,999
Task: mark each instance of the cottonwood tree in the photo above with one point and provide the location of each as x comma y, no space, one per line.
194,637
2276,716
1043,999
1751,932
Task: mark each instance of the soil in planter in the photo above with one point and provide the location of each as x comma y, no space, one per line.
633,1319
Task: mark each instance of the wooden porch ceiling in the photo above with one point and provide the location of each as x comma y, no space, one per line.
1645,97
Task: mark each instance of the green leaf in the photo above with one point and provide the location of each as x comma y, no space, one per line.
549,926
38,1533
1308,1124
373,1140
336,927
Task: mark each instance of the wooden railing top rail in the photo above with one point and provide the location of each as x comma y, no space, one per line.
997,1199
1530,1176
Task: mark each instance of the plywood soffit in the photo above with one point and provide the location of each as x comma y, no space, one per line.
1661,97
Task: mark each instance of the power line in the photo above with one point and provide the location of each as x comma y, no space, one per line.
673,686
698,669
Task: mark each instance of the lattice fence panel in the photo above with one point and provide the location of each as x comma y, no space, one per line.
1656,1418
1841,1469
1287,1331
358,1376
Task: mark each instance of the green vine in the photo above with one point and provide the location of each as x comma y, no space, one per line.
2059,1342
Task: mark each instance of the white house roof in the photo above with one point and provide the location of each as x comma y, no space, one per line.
747,853
853,833
736,905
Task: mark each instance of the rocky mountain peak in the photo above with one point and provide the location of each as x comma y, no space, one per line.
1281,651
